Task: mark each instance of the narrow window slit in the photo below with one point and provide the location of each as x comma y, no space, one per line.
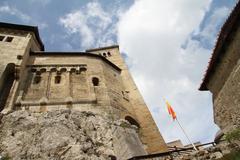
57,79
95,81
37,79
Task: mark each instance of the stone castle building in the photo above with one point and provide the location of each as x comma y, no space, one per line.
222,77
96,80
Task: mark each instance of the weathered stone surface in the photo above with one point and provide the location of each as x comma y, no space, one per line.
66,134
153,140
224,77
211,153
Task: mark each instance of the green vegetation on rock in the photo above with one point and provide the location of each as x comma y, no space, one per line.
233,135
231,156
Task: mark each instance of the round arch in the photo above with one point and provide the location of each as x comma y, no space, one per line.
6,82
132,121
95,81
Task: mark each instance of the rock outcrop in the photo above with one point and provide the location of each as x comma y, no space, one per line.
66,134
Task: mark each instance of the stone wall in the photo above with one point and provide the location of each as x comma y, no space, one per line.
224,84
15,52
18,49
227,103
57,83
229,59
76,84
149,132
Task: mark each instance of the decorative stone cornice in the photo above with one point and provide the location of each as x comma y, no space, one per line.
58,68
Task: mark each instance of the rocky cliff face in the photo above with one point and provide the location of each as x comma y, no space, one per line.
66,134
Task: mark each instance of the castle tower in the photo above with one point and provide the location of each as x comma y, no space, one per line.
16,42
149,132
96,81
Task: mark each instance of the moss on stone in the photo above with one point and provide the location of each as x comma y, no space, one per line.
231,156
233,135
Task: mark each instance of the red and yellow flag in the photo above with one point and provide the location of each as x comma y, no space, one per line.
171,111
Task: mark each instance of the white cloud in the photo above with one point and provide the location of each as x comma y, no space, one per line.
15,12
215,19
41,25
76,22
152,33
92,23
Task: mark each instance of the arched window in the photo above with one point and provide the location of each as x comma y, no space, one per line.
132,121
33,70
112,157
6,81
104,54
57,79
53,69
19,57
42,70
83,69
95,81
63,70
37,79
73,70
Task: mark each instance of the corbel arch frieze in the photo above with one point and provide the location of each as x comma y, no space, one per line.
53,69
42,70
59,68
62,69
38,70
82,69
72,70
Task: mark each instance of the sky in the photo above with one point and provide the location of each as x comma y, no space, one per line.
166,45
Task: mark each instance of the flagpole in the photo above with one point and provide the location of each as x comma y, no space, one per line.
186,134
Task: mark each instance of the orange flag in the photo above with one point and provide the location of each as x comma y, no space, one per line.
171,111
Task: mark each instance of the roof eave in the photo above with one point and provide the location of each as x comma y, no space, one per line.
224,34
76,54
102,48
33,29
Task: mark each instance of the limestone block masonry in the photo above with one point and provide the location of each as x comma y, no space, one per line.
224,84
96,81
